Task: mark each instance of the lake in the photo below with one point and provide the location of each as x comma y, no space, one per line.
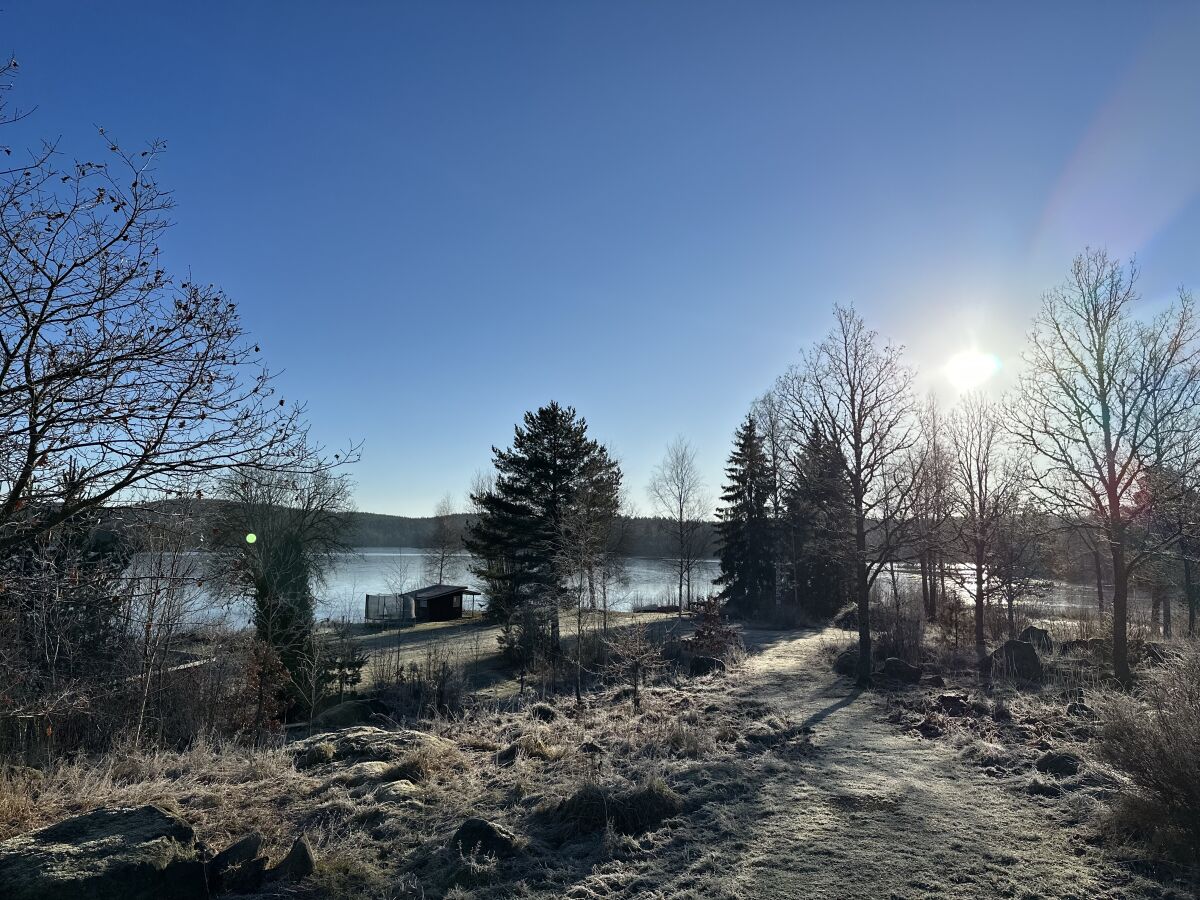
388,571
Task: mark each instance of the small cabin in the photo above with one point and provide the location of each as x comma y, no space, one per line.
436,603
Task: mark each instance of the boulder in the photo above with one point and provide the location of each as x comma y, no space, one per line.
705,665
1017,660
1059,763
933,681
298,864
238,867
896,669
1039,637
543,712
954,705
126,853
846,663
1080,710
397,791
487,838
362,773
365,742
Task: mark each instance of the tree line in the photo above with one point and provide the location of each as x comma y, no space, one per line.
840,473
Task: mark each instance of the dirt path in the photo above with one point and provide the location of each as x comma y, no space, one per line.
870,812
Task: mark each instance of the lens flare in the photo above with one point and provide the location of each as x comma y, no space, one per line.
251,538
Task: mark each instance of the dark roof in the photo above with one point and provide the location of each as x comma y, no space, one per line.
437,591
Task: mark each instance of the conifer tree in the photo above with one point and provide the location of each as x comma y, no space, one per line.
817,537
746,541
551,466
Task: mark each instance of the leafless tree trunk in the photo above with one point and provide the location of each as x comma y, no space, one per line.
677,492
445,542
860,393
985,493
1100,388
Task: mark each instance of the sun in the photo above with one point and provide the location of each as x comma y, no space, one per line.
969,369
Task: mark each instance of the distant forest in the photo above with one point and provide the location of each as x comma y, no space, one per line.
640,536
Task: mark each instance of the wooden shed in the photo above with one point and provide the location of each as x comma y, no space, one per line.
436,603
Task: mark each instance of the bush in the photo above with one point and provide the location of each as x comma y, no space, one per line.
898,624
1154,736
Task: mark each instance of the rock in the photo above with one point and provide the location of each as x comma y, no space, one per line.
705,665
846,663
1059,763
244,878
317,755
1080,710
127,853
954,704
484,837
543,712
298,864
397,791
508,755
933,681
896,669
361,773
1039,637
1017,660
1075,648
365,742
238,852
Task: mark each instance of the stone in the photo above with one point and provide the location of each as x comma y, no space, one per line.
238,852
1017,660
1059,763
368,743
362,773
955,705
933,681
397,791
1080,710
896,669
543,712
298,864
1039,637
123,853
245,878
487,838
705,665
846,663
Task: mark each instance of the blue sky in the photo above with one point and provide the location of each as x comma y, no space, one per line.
435,216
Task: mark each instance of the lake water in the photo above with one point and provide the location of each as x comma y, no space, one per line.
391,571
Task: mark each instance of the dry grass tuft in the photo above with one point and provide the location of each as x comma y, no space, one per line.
594,808
1154,737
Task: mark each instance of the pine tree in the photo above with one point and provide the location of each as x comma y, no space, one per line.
745,533
550,467
816,538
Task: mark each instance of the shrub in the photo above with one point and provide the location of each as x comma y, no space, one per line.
1154,736
898,624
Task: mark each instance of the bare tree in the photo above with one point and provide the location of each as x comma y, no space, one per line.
444,542
859,392
677,492
985,493
1105,397
932,506
113,374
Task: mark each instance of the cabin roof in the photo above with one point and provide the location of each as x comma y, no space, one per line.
437,591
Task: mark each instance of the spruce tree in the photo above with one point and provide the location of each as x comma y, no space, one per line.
816,538
745,533
551,466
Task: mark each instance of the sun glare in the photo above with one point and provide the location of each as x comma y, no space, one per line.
970,368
